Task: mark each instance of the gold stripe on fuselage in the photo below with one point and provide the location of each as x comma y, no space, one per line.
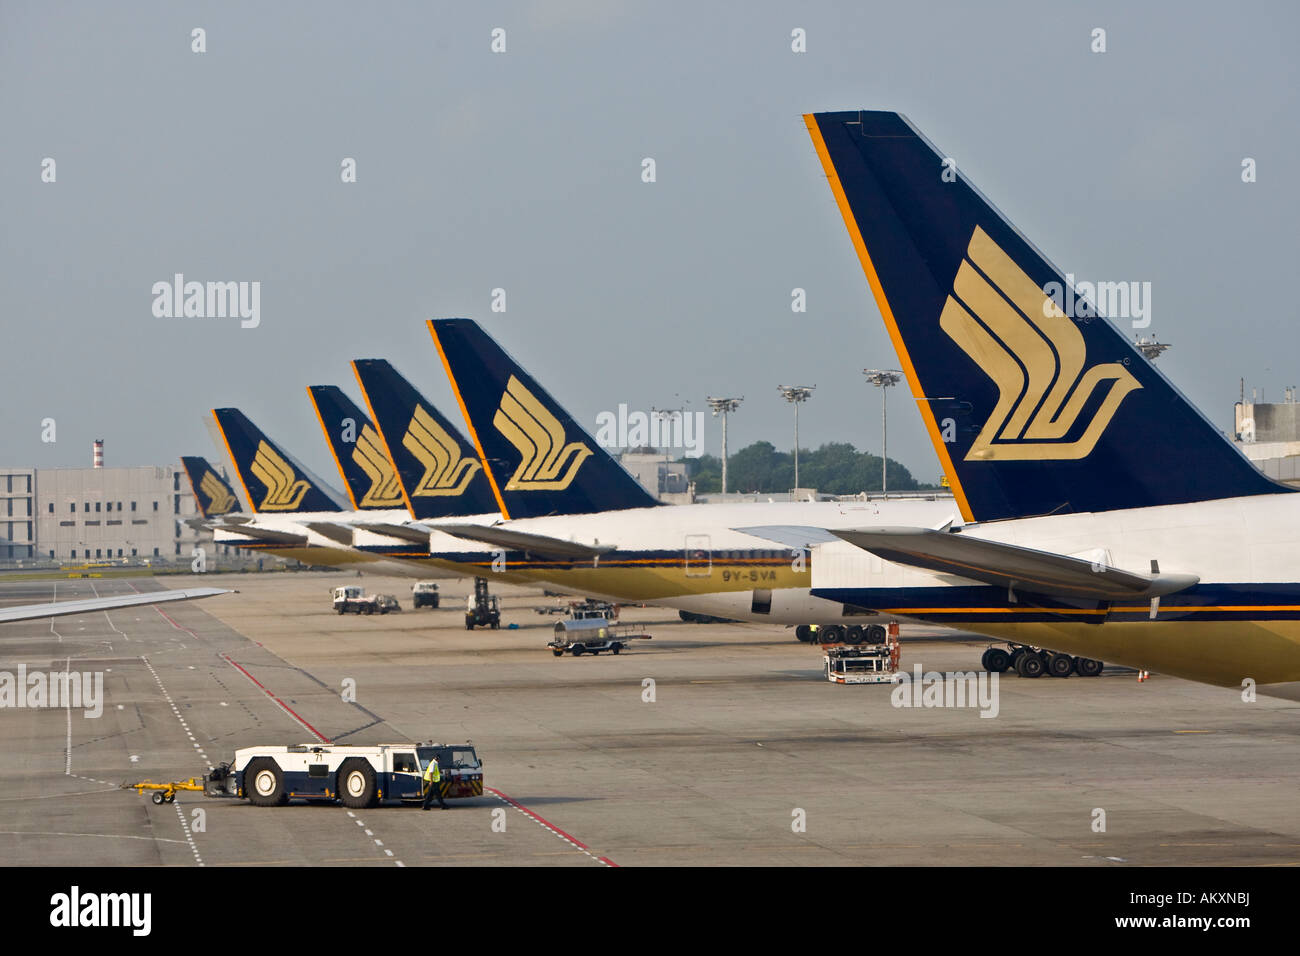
1212,652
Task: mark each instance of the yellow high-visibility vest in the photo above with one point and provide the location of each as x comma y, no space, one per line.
432,773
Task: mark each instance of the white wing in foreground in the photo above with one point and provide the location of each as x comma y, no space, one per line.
27,612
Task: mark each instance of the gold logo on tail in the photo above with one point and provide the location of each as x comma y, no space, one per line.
220,501
371,458
446,471
1035,356
284,489
539,437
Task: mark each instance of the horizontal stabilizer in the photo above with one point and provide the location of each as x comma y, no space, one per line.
1011,566
339,533
404,532
538,544
27,612
285,538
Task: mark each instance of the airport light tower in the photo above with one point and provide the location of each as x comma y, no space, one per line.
1150,347
796,395
883,379
721,406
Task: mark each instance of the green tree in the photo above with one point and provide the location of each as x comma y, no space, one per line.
836,468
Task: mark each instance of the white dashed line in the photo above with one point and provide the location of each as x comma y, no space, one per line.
180,815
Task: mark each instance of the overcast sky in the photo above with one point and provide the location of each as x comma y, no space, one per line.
522,171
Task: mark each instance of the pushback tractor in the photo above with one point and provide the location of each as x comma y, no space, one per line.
355,776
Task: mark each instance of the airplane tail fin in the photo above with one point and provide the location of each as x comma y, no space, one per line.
358,449
538,459
438,470
273,480
1035,403
212,492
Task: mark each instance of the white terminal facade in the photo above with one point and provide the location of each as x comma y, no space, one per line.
78,514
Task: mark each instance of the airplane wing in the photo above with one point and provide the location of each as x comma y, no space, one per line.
340,533
404,532
538,544
791,535
1011,566
286,538
27,612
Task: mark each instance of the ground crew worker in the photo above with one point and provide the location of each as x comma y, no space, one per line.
432,779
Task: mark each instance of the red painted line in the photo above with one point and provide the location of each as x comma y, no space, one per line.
179,627
551,826
287,709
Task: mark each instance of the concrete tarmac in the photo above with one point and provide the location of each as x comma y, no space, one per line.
706,745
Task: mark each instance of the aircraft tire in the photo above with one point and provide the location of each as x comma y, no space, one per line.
996,660
1030,664
1060,665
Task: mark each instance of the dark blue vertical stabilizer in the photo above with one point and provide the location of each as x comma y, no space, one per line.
540,461
212,492
438,468
1036,404
274,480
358,450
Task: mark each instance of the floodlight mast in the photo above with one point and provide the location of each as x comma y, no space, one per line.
883,379
1151,348
722,406
796,395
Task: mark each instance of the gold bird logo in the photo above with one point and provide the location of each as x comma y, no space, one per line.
371,458
446,471
284,489
1034,354
220,501
539,438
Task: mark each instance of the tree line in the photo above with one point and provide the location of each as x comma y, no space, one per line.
835,468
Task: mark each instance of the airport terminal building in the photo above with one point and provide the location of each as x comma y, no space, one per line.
78,514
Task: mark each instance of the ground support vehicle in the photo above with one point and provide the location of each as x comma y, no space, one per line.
593,635
425,594
355,776
162,793
354,599
482,609
863,663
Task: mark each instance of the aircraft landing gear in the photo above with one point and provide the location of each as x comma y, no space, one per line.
1029,661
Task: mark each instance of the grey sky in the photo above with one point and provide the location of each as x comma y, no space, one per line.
522,171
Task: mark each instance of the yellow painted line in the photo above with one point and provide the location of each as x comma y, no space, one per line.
1193,731
473,433
877,290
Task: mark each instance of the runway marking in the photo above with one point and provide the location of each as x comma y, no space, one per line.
180,814
67,752
103,836
175,710
370,833
107,618
283,706
546,824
